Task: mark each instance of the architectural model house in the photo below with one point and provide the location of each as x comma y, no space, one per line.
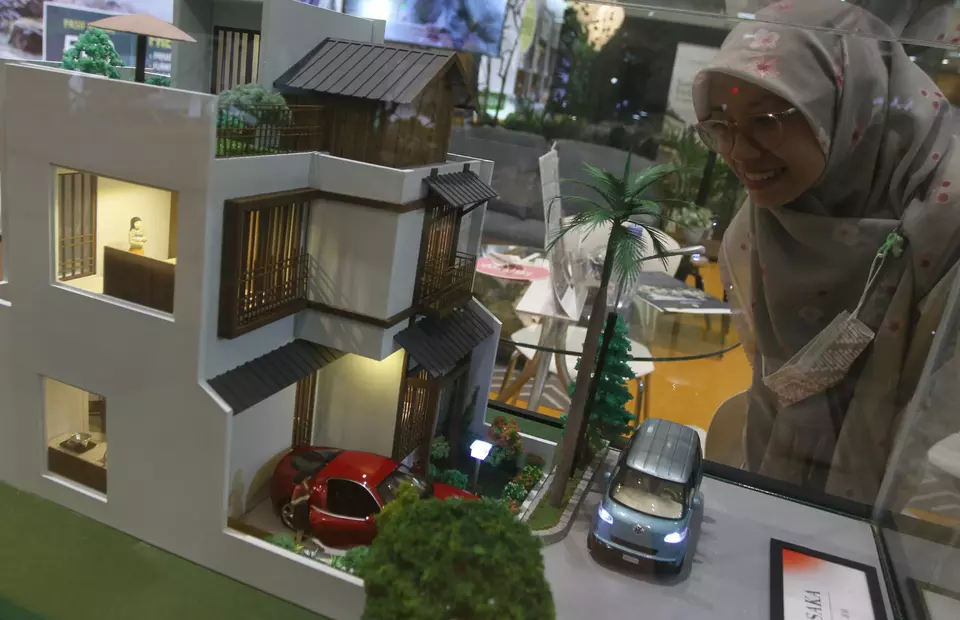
172,321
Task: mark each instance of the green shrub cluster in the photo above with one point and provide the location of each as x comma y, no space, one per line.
517,489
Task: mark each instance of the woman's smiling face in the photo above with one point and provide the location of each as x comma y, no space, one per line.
776,174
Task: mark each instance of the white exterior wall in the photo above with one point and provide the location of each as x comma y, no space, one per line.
356,406
481,368
357,251
291,29
169,454
234,178
261,436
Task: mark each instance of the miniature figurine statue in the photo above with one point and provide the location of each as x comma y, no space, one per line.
136,236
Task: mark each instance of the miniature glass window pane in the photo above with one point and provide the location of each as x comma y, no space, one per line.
349,499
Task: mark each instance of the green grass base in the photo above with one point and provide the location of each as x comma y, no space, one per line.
59,565
545,515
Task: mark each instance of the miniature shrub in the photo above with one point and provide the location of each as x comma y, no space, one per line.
504,434
439,449
469,560
284,541
251,104
535,460
158,80
352,561
407,494
454,477
93,52
517,489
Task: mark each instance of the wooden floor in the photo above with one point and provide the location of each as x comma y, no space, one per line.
688,392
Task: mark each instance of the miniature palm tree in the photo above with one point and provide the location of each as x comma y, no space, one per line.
93,52
621,199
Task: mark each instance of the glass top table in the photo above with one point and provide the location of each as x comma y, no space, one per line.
554,345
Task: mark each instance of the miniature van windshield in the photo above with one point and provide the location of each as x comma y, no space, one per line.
648,494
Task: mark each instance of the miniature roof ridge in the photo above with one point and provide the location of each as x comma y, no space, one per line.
365,70
141,23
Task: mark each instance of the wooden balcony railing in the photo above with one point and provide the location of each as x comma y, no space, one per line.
270,130
443,288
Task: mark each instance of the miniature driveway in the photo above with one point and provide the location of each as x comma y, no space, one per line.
726,575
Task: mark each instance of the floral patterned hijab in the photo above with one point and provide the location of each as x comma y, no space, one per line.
886,132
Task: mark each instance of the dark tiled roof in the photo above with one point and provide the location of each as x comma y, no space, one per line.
439,344
259,379
459,189
367,71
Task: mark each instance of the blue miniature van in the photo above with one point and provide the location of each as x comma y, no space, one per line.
652,492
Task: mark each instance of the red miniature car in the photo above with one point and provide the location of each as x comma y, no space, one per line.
336,494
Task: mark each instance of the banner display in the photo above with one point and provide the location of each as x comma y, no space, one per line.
809,585
23,27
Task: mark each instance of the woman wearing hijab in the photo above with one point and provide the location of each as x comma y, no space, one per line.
840,261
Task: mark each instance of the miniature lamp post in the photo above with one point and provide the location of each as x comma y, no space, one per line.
479,450
143,26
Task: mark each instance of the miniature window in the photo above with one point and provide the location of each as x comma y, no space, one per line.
115,238
76,434
349,499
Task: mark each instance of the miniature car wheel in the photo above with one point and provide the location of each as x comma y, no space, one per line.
288,515
591,542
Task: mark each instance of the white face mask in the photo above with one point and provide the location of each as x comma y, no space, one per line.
826,359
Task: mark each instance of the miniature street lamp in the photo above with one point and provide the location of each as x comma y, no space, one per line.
479,450
143,26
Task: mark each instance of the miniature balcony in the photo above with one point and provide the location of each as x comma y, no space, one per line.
269,130
445,287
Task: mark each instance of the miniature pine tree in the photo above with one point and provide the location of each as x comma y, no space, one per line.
94,53
609,416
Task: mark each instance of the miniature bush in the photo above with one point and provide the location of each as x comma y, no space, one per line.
535,460
251,104
454,477
352,561
439,449
407,494
469,560
517,489
93,52
158,80
285,541
504,434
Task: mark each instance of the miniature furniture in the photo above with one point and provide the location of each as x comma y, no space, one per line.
138,279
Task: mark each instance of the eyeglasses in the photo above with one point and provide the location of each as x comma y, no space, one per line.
762,130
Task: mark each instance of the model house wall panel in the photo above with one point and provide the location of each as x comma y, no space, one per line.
243,15
482,362
352,247
169,464
406,258
348,335
356,407
345,176
291,29
236,178
192,62
260,436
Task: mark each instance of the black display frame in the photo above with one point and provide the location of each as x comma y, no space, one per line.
777,547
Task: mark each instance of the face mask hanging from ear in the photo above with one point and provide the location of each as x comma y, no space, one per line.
826,359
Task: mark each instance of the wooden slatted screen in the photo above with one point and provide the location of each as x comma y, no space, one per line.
236,58
272,259
417,403
303,411
438,251
77,225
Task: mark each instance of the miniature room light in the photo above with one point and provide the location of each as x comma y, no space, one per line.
613,80
676,537
479,449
